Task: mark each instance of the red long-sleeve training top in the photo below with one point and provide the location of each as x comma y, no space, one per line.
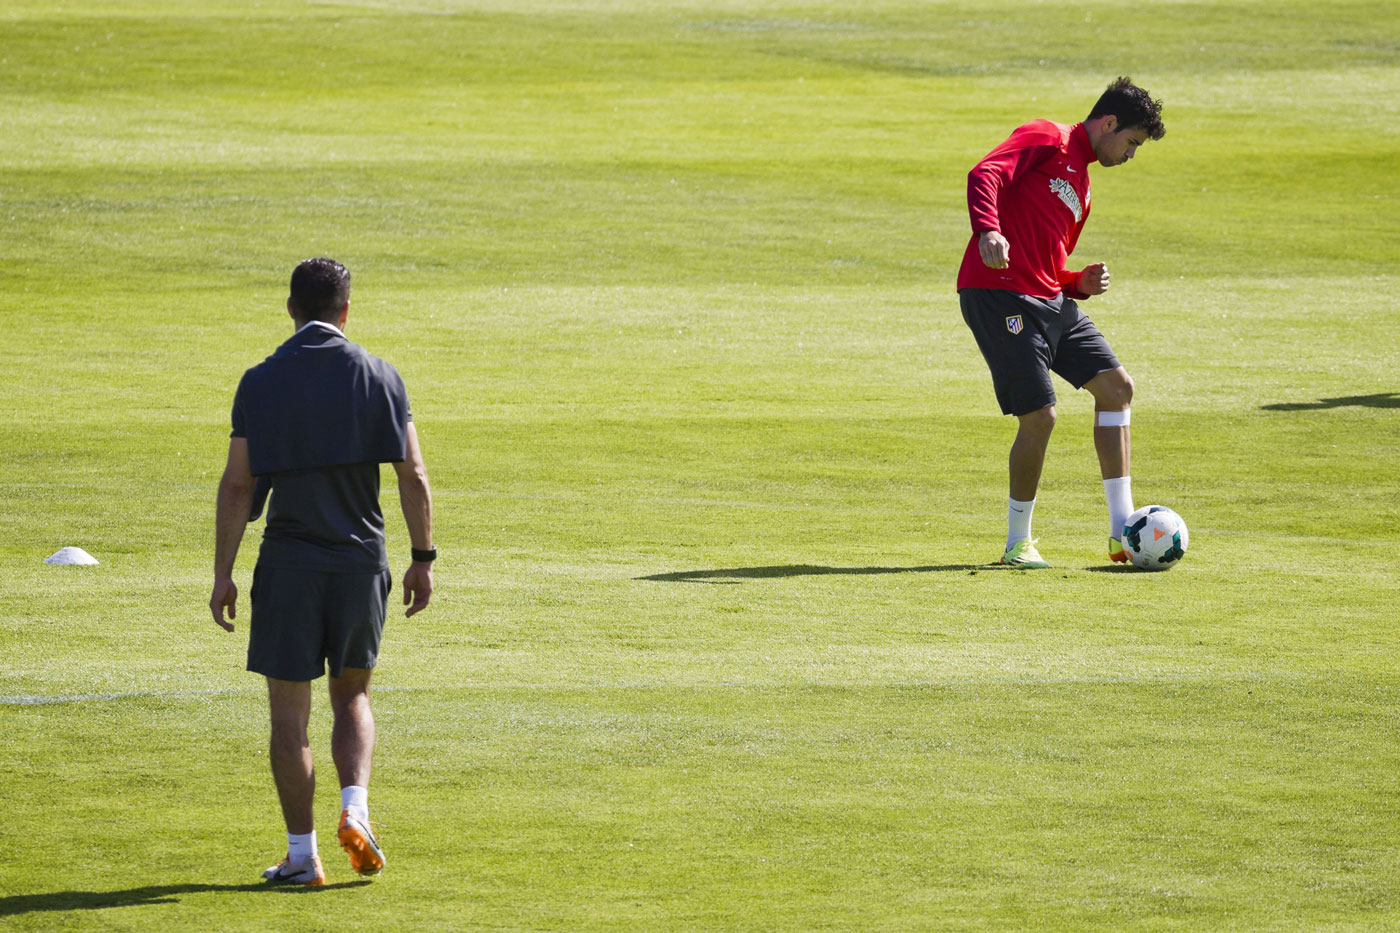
1034,190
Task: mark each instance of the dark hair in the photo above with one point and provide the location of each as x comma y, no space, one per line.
320,288
1133,107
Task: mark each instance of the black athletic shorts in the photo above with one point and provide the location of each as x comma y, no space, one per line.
1025,339
303,619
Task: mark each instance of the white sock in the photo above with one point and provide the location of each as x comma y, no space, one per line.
301,847
355,798
1018,520
1119,492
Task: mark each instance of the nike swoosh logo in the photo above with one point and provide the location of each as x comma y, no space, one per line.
1068,169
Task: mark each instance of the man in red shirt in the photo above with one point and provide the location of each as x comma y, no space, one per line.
1028,200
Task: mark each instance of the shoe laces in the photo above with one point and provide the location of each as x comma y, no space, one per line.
376,828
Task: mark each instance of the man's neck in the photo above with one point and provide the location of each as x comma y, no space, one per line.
325,324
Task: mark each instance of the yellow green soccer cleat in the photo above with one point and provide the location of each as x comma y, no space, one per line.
1116,552
1023,554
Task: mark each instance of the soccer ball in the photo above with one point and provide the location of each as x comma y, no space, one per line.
1155,538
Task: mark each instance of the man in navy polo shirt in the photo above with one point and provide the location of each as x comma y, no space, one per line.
311,425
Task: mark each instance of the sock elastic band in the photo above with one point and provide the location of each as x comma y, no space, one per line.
301,847
355,798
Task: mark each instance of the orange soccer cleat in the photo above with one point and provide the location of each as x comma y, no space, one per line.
359,843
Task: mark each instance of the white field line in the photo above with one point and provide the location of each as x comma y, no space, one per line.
31,699
38,699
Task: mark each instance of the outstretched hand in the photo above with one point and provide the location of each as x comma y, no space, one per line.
1094,279
417,587
225,594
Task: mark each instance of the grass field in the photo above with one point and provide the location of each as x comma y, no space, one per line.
717,466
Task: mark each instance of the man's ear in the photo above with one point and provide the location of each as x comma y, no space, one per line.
290,309
344,313
1110,123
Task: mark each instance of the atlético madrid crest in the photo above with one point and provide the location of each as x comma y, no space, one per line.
1014,324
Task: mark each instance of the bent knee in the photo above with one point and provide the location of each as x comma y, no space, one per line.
1127,389
1114,391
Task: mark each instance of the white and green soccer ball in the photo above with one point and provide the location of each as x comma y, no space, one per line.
1155,538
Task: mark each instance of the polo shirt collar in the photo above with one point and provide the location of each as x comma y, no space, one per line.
309,324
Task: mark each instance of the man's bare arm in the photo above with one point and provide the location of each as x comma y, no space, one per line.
416,499
230,520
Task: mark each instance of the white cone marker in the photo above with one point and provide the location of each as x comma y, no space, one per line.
71,555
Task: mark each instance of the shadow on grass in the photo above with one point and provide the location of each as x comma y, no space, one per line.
136,897
1378,400
729,575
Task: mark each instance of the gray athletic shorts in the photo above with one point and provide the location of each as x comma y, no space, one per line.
1025,339
303,619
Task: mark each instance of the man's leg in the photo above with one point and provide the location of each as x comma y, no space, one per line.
1025,464
1011,332
352,735
1028,452
289,702
352,747
290,752
1113,393
1113,397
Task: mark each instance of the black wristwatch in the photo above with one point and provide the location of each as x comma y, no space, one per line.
424,557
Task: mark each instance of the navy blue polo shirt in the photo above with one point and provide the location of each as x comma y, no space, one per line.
320,415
